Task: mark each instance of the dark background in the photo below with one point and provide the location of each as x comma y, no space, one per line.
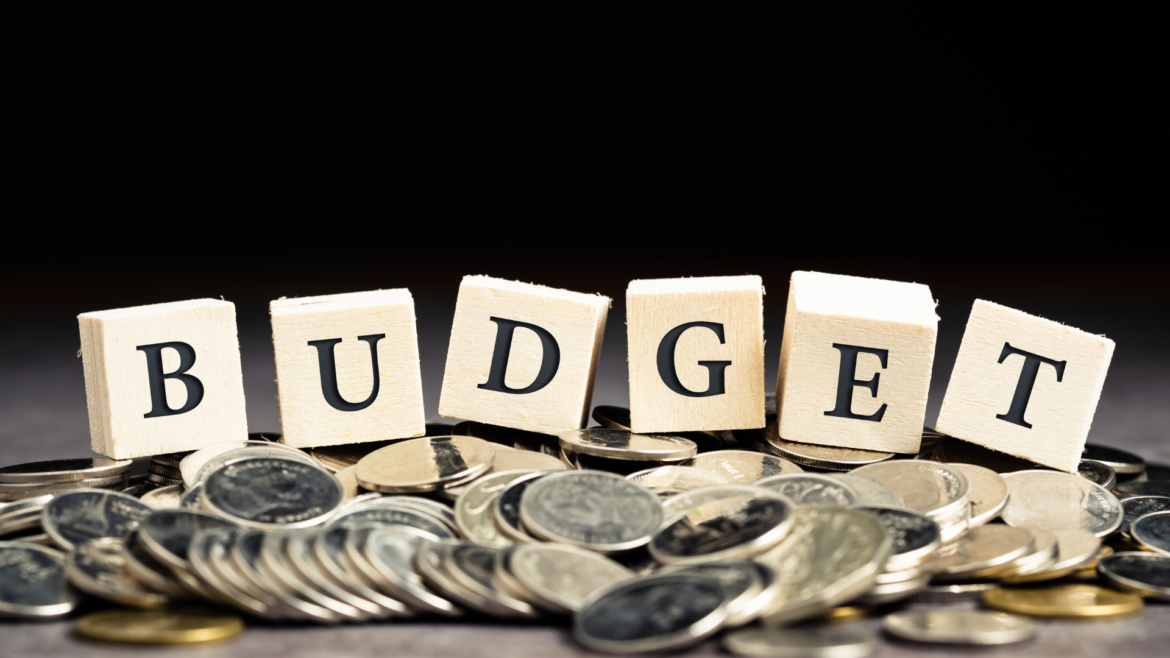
166,151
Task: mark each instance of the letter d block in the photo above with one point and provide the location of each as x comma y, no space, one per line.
347,368
522,356
1025,386
163,378
696,352
855,363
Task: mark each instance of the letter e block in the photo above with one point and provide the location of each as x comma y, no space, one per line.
347,368
696,352
163,378
855,363
1025,386
522,356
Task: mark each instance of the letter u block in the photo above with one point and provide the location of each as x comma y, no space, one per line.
855,363
163,378
522,355
1025,386
347,368
696,353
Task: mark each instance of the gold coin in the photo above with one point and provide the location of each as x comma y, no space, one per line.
843,613
160,626
1064,601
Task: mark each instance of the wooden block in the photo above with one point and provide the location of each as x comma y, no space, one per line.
347,368
855,363
163,378
696,353
522,355
1025,386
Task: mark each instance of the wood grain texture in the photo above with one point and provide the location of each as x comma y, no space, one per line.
306,416
118,389
824,309
655,307
981,387
575,320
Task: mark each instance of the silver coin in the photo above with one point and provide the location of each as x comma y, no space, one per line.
1039,558
956,593
1075,549
694,500
18,506
378,513
812,489
1097,472
1144,488
163,498
438,510
1060,501
884,594
657,613
279,570
390,555
818,456
72,517
147,570
65,470
329,550
915,537
667,481
612,418
987,491
472,566
1143,573
730,528
937,490
831,556
815,642
340,457
190,497
953,626
744,583
263,493
192,464
98,567
208,543
1138,506
301,561
506,508
1152,532
869,491
624,445
474,509
982,550
33,582
594,510
424,464
561,578
743,466
14,492
166,534
245,558
511,459
1122,462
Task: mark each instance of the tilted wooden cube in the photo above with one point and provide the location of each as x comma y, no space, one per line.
163,378
1025,386
855,363
696,353
522,355
347,368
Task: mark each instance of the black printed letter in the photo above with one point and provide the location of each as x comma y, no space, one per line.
550,358
846,382
329,372
715,369
1027,380
157,378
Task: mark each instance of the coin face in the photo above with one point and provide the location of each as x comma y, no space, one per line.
474,507
1064,601
425,464
191,626
821,641
64,470
743,466
1097,472
193,463
951,626
668,481
656,613
72,517
987,491
979,550
1060,501
164,497
869,491
1138,506
812,489
1122,462
98,567
167,534
562,577
1152,531
33,582
1143,573
915,537
264,493
619,444
818,456
506,508
695,499
377,512
591,509
932,488
729,528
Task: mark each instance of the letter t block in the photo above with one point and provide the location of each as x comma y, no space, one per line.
1025,386
855,363
163,378
696,352
522,355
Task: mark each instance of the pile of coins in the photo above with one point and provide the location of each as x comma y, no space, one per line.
647,542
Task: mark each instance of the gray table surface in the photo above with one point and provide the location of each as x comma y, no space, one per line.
43,416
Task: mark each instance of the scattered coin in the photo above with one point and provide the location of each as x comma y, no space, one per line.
1097,472
869,491
159,626
506,508
390,554
812,642
1120,461
695,499
1144,488
1064,601
981,551
988,492
915,537
750,587
33,583
598,511
1060,501
818,456
657,613
561,578
1142,573
937,490
75,516
166,534
420,465
726,529
812,489
163,498
1152,532
511,459
952,626
743,466
474,509
1075,550
65,470
953,593
264,493
471,566
1135,507
623,445
668,481
382,512
98,567
195,462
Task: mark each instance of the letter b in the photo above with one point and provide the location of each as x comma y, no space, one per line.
158,389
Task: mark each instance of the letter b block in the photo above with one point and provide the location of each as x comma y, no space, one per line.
347,368
696,352
522,356
1025,386
163,378
855,363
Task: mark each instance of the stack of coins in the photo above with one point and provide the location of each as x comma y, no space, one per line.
163,470
939,491
50,477
907,571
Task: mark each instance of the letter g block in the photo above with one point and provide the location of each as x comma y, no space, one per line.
163,378
696,353
522,356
